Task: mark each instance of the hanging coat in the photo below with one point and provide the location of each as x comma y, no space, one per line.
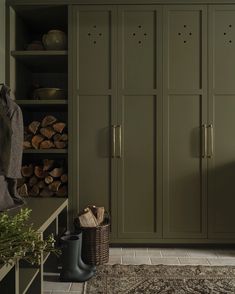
11,149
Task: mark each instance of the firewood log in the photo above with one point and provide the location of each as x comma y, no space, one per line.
98,213
46,193
54,186
49,180
23,191
87,219
59,127
64,137
47,132
60,137
33,181
34,191
27,145
36,141
48,120
62,192
64,178
48,164
41,184
60,145
47,144
27,171
33,127
56,172
39,172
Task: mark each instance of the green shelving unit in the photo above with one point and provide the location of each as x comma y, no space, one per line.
45,151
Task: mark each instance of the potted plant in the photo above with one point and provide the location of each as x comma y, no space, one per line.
18,239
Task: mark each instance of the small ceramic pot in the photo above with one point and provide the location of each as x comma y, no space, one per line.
55,40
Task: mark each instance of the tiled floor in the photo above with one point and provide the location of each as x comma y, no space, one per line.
168,256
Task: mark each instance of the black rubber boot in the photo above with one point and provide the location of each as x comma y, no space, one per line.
80,261
71,272
81,264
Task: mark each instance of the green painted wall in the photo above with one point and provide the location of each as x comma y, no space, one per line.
2,41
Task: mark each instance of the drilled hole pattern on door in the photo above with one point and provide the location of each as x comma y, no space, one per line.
185,34
228,34
94,34
140,35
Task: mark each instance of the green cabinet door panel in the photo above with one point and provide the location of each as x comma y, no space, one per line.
138,48
221,190
140,115
96,88
185,111
95,38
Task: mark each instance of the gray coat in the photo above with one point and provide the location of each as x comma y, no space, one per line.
11,149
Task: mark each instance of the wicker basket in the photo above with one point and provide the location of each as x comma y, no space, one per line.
95,244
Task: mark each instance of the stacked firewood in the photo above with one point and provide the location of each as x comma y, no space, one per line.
90,217
46,180
46,134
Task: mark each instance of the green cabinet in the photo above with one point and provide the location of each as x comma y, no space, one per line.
140,116
97,100
184,112
221,188
155,90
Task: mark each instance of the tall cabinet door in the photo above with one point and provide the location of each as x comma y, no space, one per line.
185,112
96,92
222,118
140,118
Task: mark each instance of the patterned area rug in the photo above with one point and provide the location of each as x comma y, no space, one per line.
149,279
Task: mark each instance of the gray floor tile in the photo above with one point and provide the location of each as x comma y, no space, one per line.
76,287
135,260
223,253
54,286
210,253
193,261
141,252
171,252
221,261
128,252
165,260
154,252
115,251
46,292
115,259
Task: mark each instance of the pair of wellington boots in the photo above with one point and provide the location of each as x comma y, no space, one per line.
73,268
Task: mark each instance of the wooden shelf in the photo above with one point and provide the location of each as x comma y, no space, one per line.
41,102
43,61
39,53
27,275
45,151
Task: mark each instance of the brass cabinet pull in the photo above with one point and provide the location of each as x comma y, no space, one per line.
119,137
114,141
210,141
204,141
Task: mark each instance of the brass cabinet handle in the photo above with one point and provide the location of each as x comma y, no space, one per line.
204,141
119,137
114,141
210,141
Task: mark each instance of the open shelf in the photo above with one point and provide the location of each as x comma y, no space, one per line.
45,151
43,61
38,53
41,102
27,275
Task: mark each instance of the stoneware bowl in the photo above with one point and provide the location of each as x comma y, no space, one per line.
49,94
55,40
